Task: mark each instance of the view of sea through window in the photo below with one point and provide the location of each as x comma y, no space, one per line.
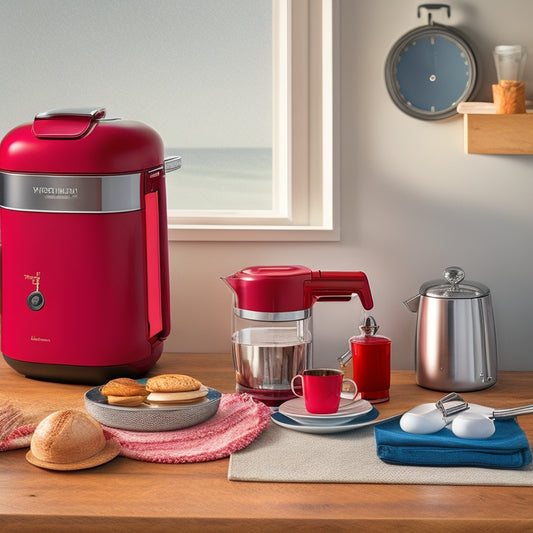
226,84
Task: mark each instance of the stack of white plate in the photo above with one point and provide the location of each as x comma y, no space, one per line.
350,415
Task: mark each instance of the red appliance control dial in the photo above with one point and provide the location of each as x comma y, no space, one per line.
35,301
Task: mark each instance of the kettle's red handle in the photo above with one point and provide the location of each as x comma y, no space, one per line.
157,186
165,277
338,286
158,284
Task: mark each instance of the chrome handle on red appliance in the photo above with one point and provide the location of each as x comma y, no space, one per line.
90,112
172,162
338,286
71,123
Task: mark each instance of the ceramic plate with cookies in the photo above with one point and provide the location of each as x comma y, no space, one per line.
161,403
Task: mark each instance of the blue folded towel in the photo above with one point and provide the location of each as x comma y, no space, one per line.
508,447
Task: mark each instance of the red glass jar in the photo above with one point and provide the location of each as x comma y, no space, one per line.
371,362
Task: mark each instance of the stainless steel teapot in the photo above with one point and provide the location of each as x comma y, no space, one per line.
455,344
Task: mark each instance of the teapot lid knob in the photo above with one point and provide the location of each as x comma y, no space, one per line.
454,275
369,326
453,286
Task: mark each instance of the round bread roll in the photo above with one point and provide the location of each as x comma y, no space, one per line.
70,440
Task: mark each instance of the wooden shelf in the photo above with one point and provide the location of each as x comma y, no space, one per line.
486,132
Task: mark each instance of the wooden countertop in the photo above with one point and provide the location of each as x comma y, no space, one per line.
127,495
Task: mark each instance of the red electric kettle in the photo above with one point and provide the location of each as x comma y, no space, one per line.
272,334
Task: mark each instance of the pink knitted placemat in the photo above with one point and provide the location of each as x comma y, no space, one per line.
18,422
238,422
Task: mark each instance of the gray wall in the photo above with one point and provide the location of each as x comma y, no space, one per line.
412,201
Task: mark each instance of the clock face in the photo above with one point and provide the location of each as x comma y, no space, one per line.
429,72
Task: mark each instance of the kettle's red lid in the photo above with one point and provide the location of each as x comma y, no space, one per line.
80,141
270,288
289,288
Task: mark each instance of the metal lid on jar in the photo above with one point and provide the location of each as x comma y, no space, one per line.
454,286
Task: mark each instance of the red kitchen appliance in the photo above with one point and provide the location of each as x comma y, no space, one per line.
272,330
85,283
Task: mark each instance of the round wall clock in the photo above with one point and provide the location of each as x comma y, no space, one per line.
430,70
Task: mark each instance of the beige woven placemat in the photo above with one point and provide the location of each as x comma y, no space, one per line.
284,455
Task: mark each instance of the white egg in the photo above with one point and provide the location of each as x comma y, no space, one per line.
423,419
472,426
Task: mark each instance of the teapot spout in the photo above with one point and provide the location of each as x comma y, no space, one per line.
413,303
345,358
230,281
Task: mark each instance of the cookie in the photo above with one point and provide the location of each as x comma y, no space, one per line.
172,383
170,398
126,401
123,387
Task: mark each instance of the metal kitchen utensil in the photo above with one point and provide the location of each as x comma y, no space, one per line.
429,418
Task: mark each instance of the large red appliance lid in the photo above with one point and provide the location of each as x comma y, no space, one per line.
81,141
277,290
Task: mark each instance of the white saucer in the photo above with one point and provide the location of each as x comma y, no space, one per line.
359,422
348,410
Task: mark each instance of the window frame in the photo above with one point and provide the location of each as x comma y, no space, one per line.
305,138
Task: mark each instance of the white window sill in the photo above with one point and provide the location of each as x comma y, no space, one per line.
251,233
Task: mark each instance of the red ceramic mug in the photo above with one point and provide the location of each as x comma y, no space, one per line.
322,389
